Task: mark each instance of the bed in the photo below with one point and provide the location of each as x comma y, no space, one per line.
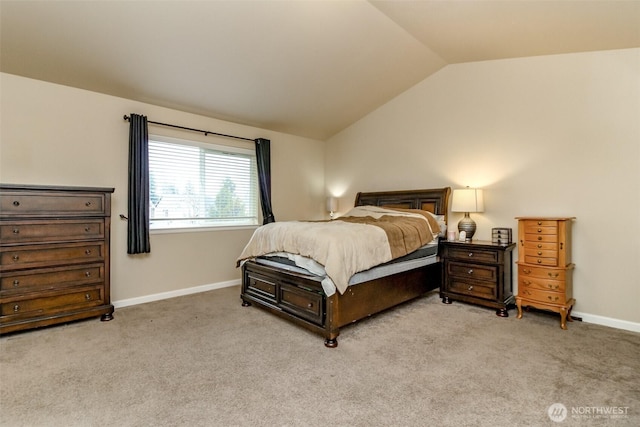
278,285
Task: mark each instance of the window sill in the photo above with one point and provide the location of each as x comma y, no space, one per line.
201,229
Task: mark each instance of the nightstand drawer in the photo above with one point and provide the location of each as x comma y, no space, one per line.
472,271
544,296
473,255
474,289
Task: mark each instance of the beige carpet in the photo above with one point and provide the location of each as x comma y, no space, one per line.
203,360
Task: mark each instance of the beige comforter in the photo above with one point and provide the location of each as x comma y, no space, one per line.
363,238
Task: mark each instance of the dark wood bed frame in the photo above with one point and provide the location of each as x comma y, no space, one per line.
301,299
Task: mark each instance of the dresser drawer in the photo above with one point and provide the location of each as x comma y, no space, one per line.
21,232
41,204
473,254
304,303
34,256
50,278
472,271
482,290
547,297
47,304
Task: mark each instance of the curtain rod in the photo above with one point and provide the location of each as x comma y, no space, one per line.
205,132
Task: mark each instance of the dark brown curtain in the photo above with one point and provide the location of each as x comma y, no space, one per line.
263,158
138,210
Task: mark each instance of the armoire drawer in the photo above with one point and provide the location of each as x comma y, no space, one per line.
547,297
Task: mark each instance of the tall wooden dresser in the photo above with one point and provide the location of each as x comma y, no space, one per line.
54,255
544,263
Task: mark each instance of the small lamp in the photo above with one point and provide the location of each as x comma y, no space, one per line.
467,200
332,206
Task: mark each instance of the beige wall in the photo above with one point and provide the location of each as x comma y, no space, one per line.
550,135
52,134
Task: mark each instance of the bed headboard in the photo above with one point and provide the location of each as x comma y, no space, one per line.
433,200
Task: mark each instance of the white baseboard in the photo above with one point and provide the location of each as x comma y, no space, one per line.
173,294
586,317
607,321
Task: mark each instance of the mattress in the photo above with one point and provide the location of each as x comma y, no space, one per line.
423,256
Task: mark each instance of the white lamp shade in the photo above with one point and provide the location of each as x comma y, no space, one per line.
467,200
332,204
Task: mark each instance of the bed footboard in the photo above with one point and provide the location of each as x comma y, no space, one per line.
300,298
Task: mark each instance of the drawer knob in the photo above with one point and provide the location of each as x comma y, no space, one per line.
539,246
16,203
16,308
551,286
527,271
539,261
16,231
88,252
552,298
87,229
539,230
539,222
16,257
526,282
87,273
470,254
539,237
539,253
470,271
310,305
87,204
553,275
16,282
87,297
470,288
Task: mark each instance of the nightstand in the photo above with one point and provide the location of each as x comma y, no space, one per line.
477,272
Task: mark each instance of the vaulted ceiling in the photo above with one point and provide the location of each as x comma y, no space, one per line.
309,68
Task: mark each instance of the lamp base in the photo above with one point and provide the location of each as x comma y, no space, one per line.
467,225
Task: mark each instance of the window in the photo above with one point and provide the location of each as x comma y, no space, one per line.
201,185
